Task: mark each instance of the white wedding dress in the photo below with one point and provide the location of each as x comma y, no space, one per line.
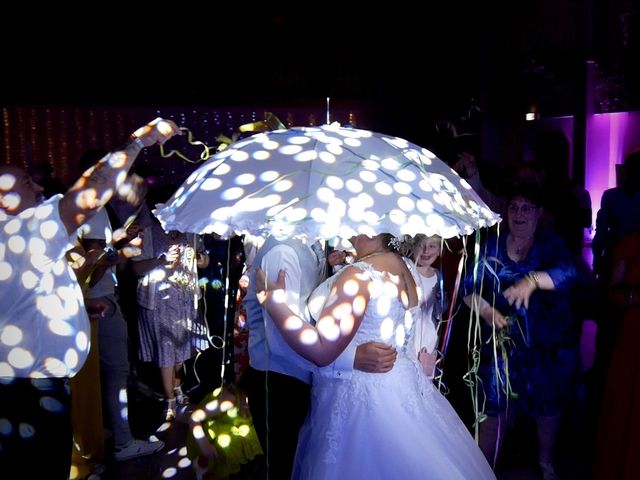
385,426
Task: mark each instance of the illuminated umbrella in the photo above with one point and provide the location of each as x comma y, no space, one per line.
325,182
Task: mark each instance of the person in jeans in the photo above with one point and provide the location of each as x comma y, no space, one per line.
113,339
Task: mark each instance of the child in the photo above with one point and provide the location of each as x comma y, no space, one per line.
424,251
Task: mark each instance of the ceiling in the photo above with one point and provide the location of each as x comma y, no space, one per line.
404,65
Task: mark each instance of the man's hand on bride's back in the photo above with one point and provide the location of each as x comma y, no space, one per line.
374,357
264,287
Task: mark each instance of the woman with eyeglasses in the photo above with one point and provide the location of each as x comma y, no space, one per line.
528,354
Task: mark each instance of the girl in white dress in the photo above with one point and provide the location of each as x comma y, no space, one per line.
373,426
424,251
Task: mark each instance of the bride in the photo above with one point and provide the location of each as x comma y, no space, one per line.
373,426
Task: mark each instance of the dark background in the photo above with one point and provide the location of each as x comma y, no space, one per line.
404,67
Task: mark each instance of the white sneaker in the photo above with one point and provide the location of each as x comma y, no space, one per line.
137,448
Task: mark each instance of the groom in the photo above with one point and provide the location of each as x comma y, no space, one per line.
277,381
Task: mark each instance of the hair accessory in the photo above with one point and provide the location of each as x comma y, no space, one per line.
394,243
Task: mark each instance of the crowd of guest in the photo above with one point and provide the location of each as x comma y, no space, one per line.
67,321
137,300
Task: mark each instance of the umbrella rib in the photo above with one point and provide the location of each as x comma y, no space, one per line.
401,152
273,182
451,215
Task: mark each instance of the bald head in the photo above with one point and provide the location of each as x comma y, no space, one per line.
17,190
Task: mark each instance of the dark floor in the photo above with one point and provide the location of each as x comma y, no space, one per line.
146,414
518,458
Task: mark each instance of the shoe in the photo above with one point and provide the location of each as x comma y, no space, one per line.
181,398
136,449
170,410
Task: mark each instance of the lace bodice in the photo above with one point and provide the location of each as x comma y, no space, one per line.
386,318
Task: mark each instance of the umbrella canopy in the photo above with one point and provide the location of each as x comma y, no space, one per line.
325,182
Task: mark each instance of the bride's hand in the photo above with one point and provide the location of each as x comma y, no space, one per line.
277,287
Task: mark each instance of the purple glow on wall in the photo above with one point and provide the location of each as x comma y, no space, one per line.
610,136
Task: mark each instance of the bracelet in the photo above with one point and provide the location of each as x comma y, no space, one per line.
137,141
533,278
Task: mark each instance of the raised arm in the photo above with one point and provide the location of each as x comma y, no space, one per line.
338,321
96,186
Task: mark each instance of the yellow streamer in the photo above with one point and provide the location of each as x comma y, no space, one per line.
205,155
271,122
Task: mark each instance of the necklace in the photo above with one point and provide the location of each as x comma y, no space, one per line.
520,249
370,256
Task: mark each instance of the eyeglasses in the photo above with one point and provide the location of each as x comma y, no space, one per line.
524,209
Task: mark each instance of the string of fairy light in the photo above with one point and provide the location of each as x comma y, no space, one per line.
56,136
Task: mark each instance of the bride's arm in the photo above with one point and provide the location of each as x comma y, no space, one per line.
338,321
